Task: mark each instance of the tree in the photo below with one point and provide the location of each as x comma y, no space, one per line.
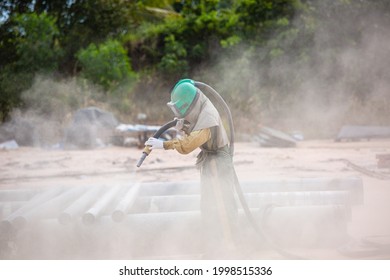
106,64
36,50
36,43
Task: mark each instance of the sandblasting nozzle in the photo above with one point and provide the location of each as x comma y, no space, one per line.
141,160
145,153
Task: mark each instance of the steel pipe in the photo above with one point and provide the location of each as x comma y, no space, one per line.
299,198
50,208
165,235
173,203
100,205
78,206
8,207
33,203
18,195
126,203
171,188
353,185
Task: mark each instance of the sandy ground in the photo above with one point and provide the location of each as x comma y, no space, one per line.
38,168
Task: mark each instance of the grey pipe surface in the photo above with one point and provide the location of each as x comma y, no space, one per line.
171,188
299,198
18,195
50,208
9,207
100,205
165,235
126,203
79,205
34,202
172,203
353,185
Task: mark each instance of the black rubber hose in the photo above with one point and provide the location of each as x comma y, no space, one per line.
157,134
226,109
237,184
261,233
164,128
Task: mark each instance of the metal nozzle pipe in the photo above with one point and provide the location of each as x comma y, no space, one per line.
141,160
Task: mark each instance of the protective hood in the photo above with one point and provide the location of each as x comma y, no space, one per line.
204,115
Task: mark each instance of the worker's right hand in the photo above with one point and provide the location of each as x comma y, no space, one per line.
155,143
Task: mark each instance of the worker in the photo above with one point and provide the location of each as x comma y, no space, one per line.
203,128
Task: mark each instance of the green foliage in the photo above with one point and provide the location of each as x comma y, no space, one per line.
230,41
106,64
12,84
250,49
174,61
36,50
35,42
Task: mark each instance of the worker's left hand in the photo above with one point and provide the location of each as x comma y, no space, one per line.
155,143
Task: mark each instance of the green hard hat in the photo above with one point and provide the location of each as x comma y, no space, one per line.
182,97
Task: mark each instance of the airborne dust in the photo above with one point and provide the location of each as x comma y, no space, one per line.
316,99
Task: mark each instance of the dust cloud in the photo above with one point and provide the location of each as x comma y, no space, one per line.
345,83
163,221
47,110
340,78
352,88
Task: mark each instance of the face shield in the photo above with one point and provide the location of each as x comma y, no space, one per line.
175,110
182,124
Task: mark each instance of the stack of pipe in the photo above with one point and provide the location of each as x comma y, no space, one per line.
164,218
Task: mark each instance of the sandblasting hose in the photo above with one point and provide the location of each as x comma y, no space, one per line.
237,185
157,134
226,109
262,234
